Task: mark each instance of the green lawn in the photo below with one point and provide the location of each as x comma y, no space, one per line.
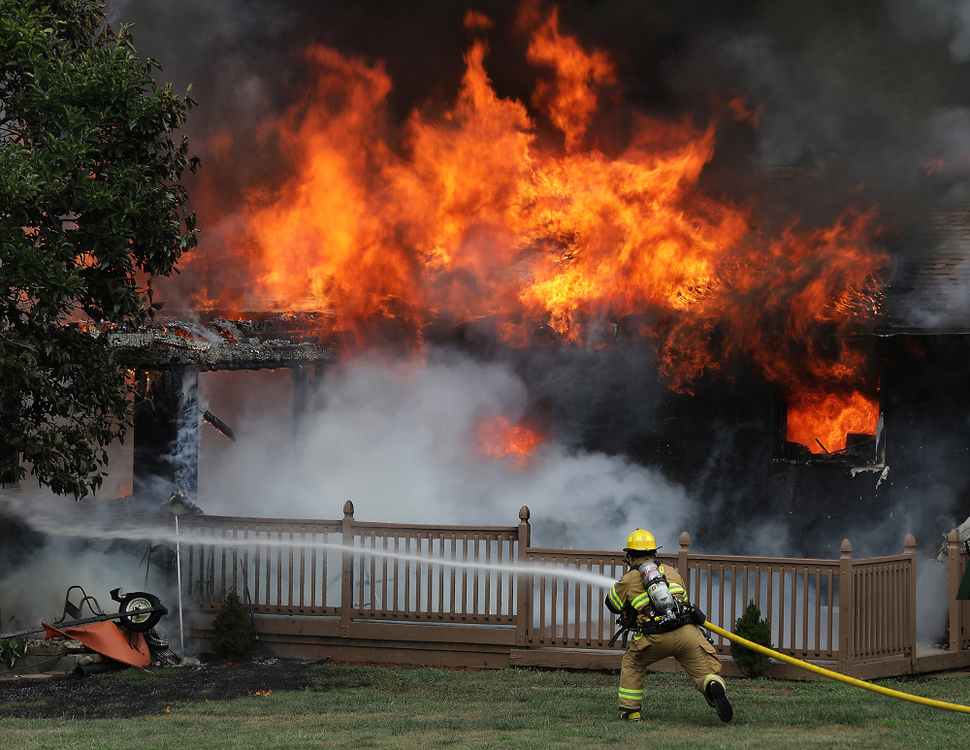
373,707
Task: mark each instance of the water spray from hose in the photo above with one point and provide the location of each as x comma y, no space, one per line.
156,535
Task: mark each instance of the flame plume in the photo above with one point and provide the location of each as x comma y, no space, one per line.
466,213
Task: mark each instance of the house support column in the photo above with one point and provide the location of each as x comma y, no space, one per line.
166,434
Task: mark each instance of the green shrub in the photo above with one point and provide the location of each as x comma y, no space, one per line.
751,627
232,630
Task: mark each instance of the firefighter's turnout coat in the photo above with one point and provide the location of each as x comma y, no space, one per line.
685,642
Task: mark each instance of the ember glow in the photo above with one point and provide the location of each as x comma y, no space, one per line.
488,207
500,438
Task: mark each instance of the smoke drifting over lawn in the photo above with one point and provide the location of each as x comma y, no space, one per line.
51,543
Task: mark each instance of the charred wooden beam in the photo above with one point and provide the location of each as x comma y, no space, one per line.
209,418
222,345
167,357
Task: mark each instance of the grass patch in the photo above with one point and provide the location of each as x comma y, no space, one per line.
345,706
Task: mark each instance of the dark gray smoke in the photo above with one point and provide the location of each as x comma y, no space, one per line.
876,93
855,87
935,20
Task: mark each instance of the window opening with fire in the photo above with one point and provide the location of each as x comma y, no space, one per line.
839,428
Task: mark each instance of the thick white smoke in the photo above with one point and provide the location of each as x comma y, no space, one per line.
399,439
51,544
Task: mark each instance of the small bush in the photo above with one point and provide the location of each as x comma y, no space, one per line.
232,631
751,627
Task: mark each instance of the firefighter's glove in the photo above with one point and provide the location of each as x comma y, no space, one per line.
697,616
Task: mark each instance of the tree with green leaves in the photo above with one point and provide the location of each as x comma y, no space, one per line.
91,211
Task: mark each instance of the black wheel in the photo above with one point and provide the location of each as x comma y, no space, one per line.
141,622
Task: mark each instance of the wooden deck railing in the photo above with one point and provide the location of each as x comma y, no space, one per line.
397,574
275,566
565,611
883,606
499,595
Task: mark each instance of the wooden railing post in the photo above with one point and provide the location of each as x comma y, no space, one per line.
953,564
682,563
523,609
909,548
347,571
846,607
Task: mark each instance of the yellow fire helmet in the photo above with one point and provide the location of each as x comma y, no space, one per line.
642,542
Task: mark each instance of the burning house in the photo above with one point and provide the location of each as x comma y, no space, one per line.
594,266
678,246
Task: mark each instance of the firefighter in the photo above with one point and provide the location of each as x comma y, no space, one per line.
652,604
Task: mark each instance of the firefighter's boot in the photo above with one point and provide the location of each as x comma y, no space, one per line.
718,700
630,714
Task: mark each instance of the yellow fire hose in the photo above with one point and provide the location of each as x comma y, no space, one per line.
835,675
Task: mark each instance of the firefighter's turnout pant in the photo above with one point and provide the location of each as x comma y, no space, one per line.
686,644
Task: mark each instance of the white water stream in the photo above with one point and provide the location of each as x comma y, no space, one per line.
54,525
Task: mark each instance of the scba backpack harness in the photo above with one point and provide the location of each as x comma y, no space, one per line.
656,610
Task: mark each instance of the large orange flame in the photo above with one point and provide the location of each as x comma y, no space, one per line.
570,99
472,217
468,212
